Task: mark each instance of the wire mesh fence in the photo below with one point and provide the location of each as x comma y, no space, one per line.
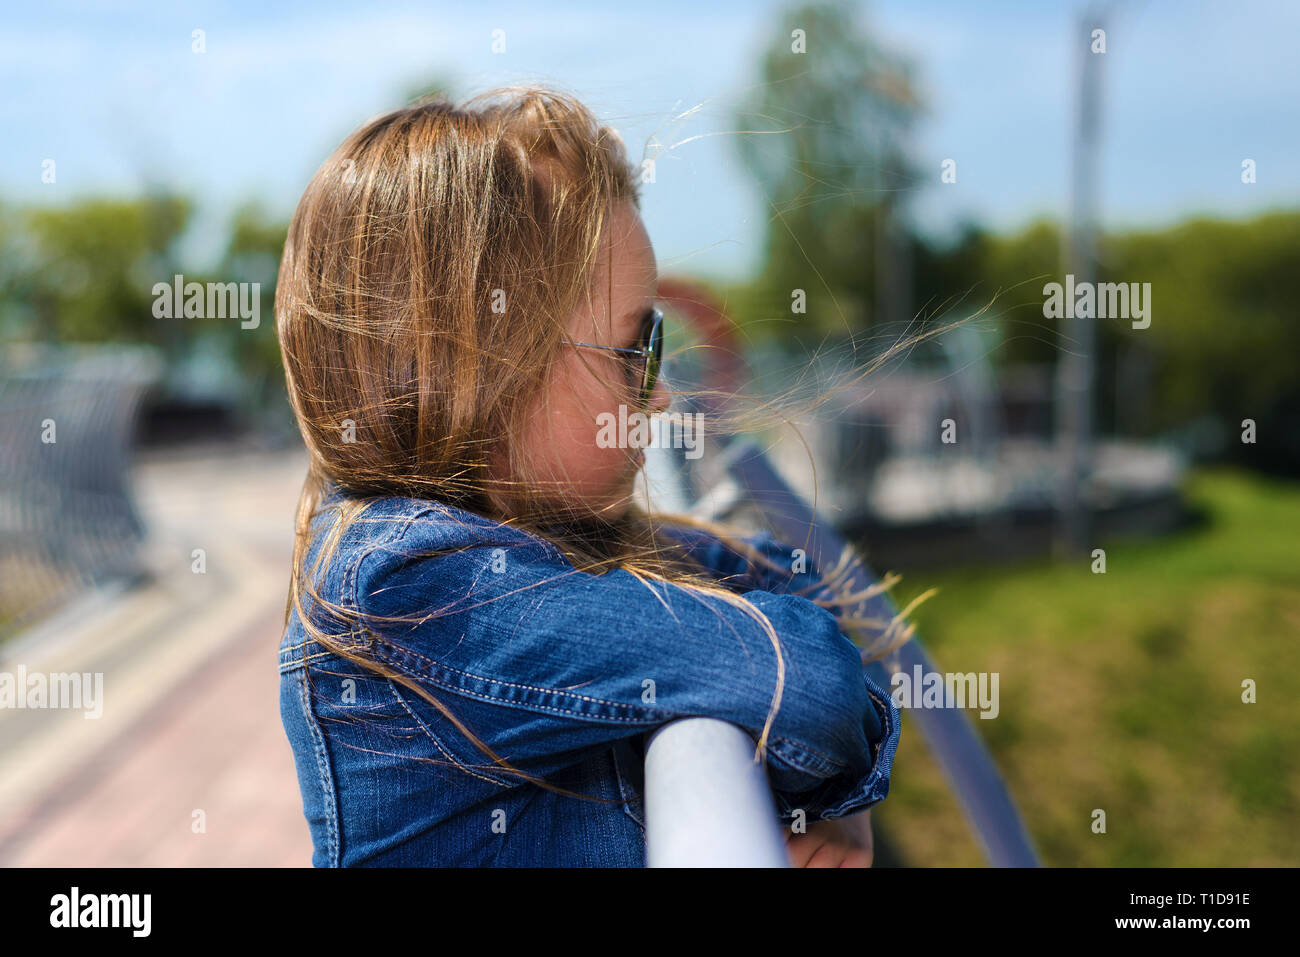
67,518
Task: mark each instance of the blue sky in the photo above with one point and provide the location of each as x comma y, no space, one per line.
114,94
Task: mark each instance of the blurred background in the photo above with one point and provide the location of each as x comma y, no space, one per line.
843,176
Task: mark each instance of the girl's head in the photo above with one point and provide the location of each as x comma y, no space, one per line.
446,274
437,269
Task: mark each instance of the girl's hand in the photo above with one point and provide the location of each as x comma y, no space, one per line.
844,842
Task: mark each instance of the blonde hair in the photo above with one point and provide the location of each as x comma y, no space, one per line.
394,255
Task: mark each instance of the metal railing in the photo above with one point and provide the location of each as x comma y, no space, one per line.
961,753
702,795
707,804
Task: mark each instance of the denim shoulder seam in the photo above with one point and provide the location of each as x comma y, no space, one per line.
392,535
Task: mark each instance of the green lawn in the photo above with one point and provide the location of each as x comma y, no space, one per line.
1123,691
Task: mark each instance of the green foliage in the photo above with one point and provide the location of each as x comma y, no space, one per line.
1225,329
87,269
1123,692
826,142
1223,339
85,273
823,139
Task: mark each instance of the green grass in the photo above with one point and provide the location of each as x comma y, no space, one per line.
1123,691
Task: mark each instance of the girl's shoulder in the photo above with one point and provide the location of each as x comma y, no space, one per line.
725,559
403,524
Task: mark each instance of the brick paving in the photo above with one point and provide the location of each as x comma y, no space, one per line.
210,737
214,744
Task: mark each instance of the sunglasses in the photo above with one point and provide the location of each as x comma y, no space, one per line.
650,351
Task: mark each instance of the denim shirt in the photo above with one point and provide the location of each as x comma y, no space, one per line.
561,673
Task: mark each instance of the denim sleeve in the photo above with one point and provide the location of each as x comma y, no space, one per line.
546,664
795,572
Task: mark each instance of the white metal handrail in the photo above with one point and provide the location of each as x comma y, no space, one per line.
707,803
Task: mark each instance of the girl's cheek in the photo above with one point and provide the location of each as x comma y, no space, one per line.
600,467
569,447
569,442
592,468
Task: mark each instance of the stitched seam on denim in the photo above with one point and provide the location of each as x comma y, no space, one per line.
332,836
521,705
887,725
800,746
785,748
793,747
438,744
288,666
292,662
306,641
780,742
793,753
876,774
510,684
627,802
391,537
349,573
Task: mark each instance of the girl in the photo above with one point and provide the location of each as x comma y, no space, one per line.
482,625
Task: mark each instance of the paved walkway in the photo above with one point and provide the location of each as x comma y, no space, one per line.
188,764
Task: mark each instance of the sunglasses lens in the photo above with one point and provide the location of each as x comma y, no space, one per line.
655,347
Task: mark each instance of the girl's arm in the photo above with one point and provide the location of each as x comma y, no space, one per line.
794,572
546,664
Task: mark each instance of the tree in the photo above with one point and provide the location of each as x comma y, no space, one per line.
826,139
88,268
